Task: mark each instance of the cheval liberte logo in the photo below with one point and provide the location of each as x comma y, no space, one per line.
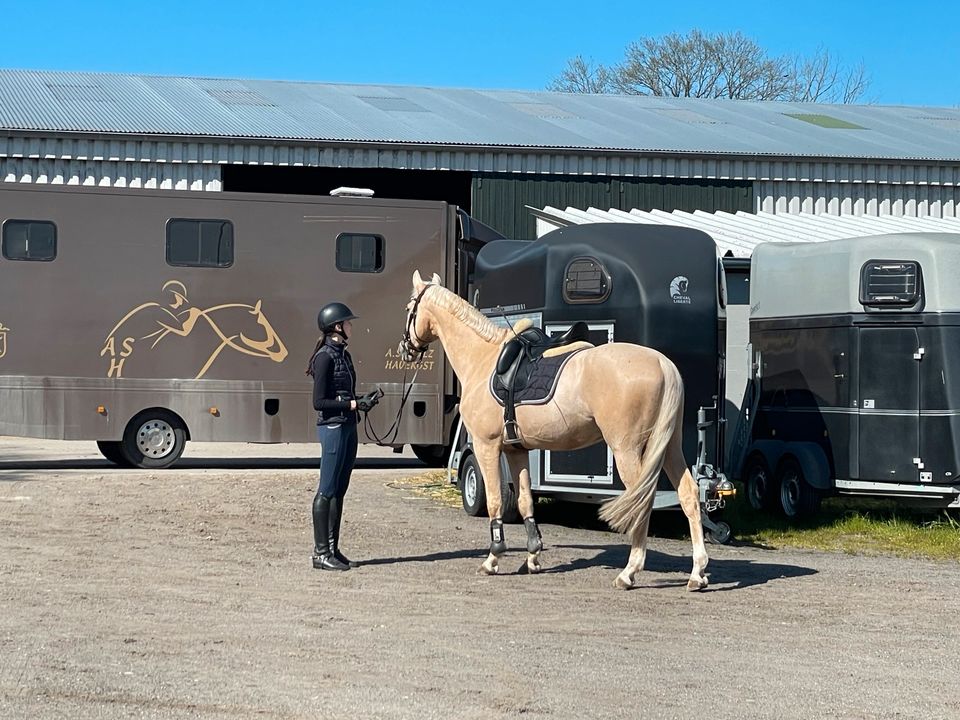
679,288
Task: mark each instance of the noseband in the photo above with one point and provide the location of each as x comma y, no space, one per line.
412,346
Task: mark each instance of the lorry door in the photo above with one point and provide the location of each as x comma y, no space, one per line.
889,404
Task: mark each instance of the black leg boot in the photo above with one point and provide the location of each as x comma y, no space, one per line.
336,513
323,557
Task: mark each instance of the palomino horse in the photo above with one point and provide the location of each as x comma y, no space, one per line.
629,396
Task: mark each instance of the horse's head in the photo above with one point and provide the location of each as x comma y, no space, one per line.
419,331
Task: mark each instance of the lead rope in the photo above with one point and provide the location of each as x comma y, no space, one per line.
395,427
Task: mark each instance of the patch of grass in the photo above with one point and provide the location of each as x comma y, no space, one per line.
433,485
853,525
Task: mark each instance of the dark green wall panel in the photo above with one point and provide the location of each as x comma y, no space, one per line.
500,200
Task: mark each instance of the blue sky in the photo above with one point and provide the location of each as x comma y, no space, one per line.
911,50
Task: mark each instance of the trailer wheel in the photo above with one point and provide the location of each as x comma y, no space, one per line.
760,485
470,483
154,439
721,536
112,451
473,493
432,455
798,499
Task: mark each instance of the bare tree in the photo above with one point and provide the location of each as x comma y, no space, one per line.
725,65
583,76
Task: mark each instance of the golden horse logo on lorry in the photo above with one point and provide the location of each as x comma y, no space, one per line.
158,321
3,339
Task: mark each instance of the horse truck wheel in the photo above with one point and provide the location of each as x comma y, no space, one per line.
798,499
432,455
154,439
112,451
760,486
470,483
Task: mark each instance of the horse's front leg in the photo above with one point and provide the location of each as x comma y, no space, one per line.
488,457
520,468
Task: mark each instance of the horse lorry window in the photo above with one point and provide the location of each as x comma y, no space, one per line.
586,281
29,240
200,243
360,253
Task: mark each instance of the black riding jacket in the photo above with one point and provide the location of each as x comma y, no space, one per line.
334,384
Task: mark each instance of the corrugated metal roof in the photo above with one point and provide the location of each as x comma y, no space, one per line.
144,104
739,233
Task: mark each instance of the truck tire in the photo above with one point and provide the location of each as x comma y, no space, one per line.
154,439
435,456
798,499
759,483
112,451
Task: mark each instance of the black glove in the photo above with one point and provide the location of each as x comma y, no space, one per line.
366,403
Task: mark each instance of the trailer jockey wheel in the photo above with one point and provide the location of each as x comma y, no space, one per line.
154,439
798,499
762,492
472,492
720,533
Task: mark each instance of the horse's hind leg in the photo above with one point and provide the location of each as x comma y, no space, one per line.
520,468
682,480
628,465
488,457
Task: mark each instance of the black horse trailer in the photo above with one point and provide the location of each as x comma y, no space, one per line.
651,285
856,386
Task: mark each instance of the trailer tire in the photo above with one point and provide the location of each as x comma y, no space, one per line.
473,495
113,452
759,484
432,455
154,439
798,499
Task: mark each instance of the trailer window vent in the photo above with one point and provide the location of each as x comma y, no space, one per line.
586,281
890,282
29,240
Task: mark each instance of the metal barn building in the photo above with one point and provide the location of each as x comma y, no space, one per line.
493,152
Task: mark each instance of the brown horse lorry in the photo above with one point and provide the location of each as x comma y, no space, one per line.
142,319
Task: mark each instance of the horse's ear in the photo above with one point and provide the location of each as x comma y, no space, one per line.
417,280
436,279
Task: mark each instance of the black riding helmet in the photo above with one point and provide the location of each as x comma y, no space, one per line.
333,313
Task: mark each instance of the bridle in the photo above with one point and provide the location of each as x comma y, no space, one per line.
413,350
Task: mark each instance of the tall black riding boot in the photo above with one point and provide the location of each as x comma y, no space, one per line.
336,513
323,557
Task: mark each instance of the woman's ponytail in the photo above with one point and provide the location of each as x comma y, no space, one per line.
320,341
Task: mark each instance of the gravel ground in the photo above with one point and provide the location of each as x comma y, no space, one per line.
188,593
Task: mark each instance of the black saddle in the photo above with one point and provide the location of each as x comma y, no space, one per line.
519,360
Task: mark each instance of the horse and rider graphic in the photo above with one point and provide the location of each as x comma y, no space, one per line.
148,325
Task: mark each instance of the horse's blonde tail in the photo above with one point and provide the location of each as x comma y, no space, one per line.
624,513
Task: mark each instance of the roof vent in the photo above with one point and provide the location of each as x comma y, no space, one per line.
352,192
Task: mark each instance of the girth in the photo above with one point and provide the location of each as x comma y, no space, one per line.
518,363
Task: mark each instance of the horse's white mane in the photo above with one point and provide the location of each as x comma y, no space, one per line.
465,312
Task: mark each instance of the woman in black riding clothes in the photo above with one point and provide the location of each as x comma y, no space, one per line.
336,403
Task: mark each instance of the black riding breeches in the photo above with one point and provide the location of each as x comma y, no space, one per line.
338,453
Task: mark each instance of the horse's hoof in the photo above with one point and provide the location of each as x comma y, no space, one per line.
622,584
533,564
486,570
693,584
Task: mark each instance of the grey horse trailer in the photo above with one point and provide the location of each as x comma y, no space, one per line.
856,379
142,319
651,285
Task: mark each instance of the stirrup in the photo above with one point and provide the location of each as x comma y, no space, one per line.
511,433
